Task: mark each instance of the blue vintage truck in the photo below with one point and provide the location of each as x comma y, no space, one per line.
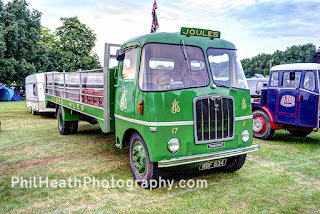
290,101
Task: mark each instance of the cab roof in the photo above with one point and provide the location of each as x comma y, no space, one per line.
175,38
296,67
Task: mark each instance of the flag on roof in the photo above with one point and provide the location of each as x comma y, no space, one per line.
155,24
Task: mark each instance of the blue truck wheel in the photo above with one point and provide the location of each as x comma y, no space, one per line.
261,125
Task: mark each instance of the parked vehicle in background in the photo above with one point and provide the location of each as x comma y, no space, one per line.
290,101
35,96
255,86
174,99
20,90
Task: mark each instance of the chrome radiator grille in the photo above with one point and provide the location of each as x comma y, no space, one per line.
213,118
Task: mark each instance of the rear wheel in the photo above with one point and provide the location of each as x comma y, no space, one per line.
142,168
64,126
74,127
300,133
234,163
261,125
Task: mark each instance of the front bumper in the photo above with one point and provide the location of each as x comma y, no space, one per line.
207,157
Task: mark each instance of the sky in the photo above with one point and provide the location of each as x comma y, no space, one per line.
254,26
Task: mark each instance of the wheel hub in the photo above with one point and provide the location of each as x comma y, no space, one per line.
257,125
139,158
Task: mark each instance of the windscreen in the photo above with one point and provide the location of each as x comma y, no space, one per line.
170,67
226,68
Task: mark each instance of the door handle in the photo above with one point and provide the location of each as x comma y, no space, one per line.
300,98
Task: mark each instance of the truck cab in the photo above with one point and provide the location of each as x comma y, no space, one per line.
181,99
291,101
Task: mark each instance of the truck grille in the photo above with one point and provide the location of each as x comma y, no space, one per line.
213,118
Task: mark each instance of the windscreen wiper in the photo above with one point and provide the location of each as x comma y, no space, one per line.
185,54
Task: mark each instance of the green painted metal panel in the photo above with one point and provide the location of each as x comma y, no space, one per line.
158,108
69,115
89,110
175,38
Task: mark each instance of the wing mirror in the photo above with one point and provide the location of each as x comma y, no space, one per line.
120,55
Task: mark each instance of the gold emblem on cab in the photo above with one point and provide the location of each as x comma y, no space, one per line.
244,104
175,106
123,101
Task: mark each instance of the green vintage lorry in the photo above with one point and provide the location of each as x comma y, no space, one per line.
173,99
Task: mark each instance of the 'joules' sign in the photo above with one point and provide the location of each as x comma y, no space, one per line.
200,32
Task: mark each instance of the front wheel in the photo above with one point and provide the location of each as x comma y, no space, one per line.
142,168
261,125
234,163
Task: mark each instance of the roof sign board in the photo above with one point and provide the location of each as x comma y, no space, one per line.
199,32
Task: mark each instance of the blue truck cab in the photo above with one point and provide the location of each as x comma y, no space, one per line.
290,101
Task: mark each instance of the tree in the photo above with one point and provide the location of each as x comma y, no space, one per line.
19,36
74,45
316,57
46,59
26,47
260,64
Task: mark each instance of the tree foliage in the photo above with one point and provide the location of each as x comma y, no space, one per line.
316,57
74,44
19,37
260,64
26,47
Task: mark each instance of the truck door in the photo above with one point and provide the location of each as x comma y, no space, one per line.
308,100
287,102
126,85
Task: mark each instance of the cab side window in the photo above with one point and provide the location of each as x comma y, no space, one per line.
274,81
291,79
129,64
309,81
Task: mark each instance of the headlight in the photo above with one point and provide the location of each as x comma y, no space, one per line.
245,136
174,145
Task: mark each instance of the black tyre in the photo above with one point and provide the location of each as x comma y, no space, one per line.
234,163
261,125
300,133
74,127
142,168
63,126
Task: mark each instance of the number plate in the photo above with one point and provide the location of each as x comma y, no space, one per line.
213,164
216,145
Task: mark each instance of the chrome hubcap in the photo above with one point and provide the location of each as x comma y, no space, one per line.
257,125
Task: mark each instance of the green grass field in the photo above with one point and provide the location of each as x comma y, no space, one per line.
283,177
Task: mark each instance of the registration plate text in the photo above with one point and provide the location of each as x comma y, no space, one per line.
213,164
